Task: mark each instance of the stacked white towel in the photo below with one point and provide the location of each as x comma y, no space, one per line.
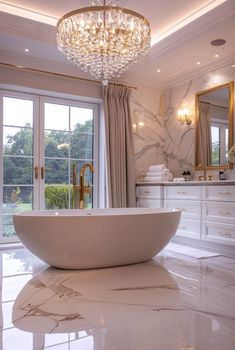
158,173
178,179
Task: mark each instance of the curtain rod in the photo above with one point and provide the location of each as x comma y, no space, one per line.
28,69
219,106
212,104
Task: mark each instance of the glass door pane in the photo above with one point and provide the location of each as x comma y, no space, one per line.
17,160
68,140
66,137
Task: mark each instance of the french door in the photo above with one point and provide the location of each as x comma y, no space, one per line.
41,139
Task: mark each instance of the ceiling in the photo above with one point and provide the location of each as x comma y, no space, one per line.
181,34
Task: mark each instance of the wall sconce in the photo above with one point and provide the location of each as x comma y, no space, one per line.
183,116
137,127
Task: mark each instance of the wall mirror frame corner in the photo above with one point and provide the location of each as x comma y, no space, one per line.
214,126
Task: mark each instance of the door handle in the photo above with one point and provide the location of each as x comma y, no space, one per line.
36,172
42,172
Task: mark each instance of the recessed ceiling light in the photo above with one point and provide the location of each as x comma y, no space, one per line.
218,42
158,70
216,55
198,63
26,50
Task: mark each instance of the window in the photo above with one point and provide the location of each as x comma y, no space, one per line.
42,137
219,139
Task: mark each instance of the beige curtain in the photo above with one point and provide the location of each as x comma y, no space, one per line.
119,147
205,144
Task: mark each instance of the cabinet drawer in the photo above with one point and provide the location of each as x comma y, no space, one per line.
149,203
189,228
219,211
219,193
183,192
149,191
217,232
189,209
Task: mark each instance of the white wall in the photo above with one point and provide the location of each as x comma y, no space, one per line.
20,78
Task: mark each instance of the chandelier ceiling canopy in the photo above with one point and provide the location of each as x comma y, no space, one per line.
103,39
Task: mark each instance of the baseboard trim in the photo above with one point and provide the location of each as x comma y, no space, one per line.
221,249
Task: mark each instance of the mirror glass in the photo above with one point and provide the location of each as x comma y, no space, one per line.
214,126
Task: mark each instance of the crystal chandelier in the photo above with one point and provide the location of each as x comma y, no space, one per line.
103,39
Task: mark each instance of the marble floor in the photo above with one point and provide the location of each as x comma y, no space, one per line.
172,302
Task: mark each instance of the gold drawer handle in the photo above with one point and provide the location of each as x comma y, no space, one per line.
225,234
225,212
182,192
147,192
226,193
183,227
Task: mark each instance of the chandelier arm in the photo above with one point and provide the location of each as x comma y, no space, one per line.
102,8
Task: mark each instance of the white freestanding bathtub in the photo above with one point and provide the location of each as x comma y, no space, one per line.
91,238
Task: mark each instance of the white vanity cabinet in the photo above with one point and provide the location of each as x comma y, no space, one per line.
149,196
188,200
218,214
207,211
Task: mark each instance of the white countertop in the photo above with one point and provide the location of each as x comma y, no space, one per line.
188,183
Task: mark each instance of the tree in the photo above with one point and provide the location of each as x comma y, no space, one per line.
18,170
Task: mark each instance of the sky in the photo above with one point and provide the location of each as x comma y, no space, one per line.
17,112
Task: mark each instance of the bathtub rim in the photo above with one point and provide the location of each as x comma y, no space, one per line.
94,212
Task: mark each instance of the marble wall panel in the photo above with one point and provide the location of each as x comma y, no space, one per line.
147,110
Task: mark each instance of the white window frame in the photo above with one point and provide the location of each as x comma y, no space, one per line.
35,99
222,125
39,98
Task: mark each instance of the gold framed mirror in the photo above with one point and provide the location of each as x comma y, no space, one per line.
214,126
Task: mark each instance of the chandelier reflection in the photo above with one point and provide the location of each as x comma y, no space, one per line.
103,39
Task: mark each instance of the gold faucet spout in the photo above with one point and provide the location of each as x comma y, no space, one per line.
81,188
86,165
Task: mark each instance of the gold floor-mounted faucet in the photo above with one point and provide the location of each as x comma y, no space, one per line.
81,188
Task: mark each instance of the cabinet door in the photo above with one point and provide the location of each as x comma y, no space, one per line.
183,192
189,209
219,211
149,191
219,193
149,203
189,228
219,233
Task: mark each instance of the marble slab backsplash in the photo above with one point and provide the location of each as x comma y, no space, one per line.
147,110
158,135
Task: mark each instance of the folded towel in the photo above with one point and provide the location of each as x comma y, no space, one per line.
157,167
179,179
158,173
156,178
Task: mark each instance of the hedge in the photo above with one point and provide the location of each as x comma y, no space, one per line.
57,196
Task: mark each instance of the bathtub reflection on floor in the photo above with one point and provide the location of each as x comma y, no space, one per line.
133,307
114,308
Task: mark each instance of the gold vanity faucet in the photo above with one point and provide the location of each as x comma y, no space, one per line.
81,188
